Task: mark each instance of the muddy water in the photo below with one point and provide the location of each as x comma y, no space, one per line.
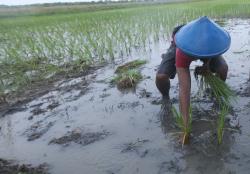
99,129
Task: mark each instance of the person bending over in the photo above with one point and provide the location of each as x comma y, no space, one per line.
199,39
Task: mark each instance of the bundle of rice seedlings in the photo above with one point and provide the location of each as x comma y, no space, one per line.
127,79
221,121
181,124
127,75
219,89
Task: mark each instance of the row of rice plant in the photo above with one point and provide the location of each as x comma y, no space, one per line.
38,47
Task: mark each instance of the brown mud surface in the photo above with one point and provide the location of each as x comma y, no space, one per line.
84,125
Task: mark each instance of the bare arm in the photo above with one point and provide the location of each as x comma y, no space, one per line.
184,92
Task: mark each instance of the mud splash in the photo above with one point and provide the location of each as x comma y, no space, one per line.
95,128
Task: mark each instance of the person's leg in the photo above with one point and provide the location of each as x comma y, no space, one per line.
166,71
163,84
219,66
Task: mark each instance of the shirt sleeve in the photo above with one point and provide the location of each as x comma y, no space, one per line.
181,59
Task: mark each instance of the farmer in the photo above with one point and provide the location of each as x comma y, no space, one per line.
200,39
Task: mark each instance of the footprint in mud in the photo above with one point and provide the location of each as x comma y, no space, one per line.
37,130
79,137
135,147
10,167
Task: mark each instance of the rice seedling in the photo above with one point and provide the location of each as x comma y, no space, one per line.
186,129
221,122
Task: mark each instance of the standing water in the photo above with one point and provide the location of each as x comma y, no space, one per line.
89,126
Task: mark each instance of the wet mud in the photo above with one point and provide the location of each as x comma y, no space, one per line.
37,130
15,101
9,167
84,125
79,137
245,92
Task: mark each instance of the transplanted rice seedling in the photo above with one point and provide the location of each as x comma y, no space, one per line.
127,79
221,121
219,89
186,129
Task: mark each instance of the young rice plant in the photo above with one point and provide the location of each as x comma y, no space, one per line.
181,124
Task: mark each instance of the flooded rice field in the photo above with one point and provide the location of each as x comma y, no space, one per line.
86,125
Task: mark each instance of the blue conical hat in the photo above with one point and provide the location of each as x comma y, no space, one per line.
202,38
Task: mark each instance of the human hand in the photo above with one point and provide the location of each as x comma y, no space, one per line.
201,70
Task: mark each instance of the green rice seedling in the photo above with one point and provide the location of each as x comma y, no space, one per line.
186,129
130,65
221,122
127,79
219,89
110,49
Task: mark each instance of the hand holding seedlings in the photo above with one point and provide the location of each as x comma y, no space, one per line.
201,70
220,90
